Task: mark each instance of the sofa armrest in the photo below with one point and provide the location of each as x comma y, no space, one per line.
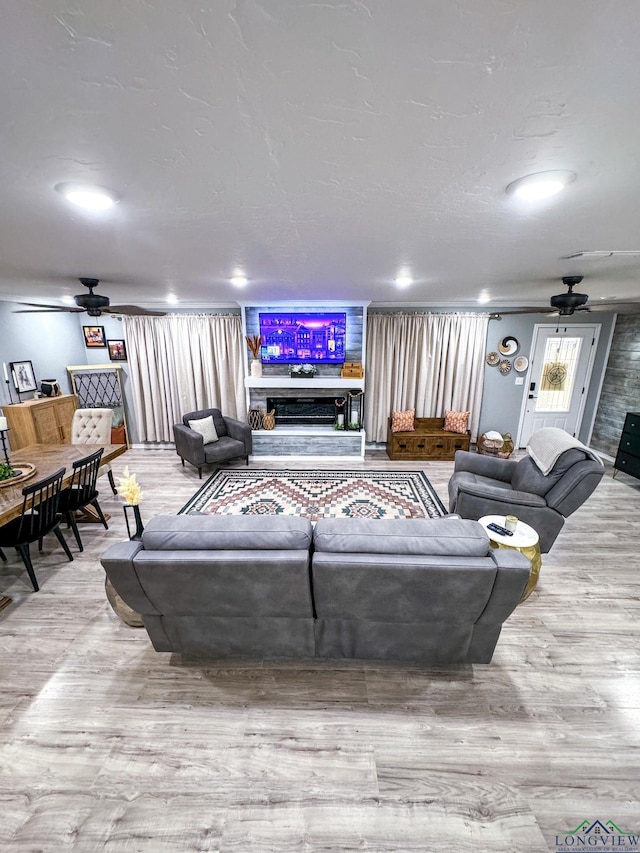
241,432
485,466
118,563
189,444
511,579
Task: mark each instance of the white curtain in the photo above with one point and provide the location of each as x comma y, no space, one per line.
182,363
428,362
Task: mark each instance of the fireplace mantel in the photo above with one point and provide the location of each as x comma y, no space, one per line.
313,382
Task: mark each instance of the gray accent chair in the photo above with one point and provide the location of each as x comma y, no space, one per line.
485,485
431,591
234,440
425,590
220,586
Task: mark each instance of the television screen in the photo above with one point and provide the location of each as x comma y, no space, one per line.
298,337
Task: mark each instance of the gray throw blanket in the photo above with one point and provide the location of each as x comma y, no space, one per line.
546,445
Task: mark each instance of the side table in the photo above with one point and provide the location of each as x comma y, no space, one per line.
524,539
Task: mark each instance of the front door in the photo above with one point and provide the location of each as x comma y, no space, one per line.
558,377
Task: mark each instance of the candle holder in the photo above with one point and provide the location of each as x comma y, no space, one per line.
9,391
3,435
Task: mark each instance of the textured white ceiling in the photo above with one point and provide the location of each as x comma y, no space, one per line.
319,146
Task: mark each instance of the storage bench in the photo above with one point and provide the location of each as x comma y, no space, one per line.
428,440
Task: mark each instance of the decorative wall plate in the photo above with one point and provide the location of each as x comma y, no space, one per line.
520,363
492,359
508,345
504,367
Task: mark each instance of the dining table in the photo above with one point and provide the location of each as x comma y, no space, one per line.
41,460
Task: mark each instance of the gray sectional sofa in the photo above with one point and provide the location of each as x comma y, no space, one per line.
430,591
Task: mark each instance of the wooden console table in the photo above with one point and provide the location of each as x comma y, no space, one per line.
44,421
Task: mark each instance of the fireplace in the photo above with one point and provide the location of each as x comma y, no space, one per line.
302,410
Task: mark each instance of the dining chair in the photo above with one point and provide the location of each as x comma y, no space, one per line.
40,515
93,426
82,492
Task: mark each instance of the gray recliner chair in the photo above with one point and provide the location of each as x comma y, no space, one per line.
234,440
485,485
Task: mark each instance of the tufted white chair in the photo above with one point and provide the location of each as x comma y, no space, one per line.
93,426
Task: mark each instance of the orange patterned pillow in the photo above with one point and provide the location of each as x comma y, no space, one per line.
403,421
456,421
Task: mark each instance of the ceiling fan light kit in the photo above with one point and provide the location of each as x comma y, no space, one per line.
567,303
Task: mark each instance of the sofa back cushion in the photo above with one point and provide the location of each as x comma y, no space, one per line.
406,589
528,477
227,533
438,537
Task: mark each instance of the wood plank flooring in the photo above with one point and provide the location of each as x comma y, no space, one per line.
108,745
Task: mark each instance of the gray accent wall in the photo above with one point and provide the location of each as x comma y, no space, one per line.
50,341
621,387
502,398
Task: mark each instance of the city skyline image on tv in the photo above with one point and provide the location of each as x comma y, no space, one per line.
299,337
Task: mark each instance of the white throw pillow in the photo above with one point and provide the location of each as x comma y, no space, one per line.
206,428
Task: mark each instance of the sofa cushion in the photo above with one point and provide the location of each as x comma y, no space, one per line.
449,537
226,533
206,429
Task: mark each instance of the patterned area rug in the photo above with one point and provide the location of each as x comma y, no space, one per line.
318,494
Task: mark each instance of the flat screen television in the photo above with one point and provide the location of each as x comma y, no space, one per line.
299,337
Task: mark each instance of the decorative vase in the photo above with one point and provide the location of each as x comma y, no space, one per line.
256,368
269,419
255,418
139,528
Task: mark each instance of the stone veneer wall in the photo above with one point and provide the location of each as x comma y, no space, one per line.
621,387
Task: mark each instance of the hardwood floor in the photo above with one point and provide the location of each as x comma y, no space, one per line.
108,745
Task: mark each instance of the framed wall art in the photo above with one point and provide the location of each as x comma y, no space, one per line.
24,378
94,336
117,350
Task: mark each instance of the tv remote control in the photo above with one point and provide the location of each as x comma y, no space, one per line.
498,529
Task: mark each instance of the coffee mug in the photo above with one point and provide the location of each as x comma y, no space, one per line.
511,522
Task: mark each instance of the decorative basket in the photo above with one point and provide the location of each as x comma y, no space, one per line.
502,448
269,419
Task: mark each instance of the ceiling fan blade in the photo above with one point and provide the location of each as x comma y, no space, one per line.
133,310
526,310
39,308
617,307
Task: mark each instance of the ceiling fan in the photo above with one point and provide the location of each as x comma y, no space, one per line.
566,304
93,303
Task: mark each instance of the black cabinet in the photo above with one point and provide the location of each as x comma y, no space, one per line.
628,457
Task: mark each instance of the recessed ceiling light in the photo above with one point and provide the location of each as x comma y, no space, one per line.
403,279
171,299
238,278
540,185
484,298
68,300
88,197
